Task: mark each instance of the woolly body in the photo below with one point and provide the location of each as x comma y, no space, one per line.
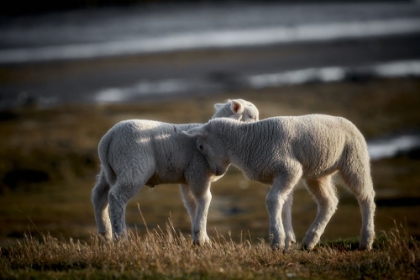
134,153
149,142
280,151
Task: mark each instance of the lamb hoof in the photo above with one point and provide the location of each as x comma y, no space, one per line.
365,248
121,237
104,237
277,247
290,244
202,242
307,248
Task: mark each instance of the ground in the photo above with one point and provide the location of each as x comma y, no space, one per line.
48,163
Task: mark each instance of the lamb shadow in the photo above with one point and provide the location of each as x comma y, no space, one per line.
398,202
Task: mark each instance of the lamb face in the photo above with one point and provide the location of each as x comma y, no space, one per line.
250,112
212,148
242,110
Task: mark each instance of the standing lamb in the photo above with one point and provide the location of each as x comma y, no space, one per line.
281,150
134,153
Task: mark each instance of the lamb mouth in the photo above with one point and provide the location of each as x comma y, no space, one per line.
219,171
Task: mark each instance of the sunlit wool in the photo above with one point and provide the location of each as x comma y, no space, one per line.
135,153
280,151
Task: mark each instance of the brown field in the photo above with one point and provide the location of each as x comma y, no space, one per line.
167,254
48,163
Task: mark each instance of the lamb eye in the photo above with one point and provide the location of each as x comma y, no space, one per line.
201,147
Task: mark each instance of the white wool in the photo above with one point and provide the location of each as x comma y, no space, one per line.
135,153
282,150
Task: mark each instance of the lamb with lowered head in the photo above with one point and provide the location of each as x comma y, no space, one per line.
280,151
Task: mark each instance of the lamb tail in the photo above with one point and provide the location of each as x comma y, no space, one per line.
103,151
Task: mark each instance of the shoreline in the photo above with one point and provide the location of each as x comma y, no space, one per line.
208,71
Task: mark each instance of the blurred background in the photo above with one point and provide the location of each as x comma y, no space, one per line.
70,70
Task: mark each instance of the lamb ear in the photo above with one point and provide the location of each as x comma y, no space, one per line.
198,132
218,106
236,107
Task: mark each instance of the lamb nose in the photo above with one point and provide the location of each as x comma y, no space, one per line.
219,171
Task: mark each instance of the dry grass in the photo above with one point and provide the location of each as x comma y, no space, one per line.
61,142
169,254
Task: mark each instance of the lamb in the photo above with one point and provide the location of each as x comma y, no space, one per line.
281,150
134,153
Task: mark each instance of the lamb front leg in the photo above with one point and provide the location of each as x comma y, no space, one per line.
325,196
276,200
189,202
199,227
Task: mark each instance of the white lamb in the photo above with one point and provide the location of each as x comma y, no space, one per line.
280,151
134,153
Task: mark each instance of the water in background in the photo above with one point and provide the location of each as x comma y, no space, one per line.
141,30
146,29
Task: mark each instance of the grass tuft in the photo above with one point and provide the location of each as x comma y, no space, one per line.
166,253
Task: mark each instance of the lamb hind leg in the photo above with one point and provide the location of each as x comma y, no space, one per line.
326,198
118,197
360,184
367,233
99,200
287,221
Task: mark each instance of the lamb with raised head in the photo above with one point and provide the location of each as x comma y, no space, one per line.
134,153
280,151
